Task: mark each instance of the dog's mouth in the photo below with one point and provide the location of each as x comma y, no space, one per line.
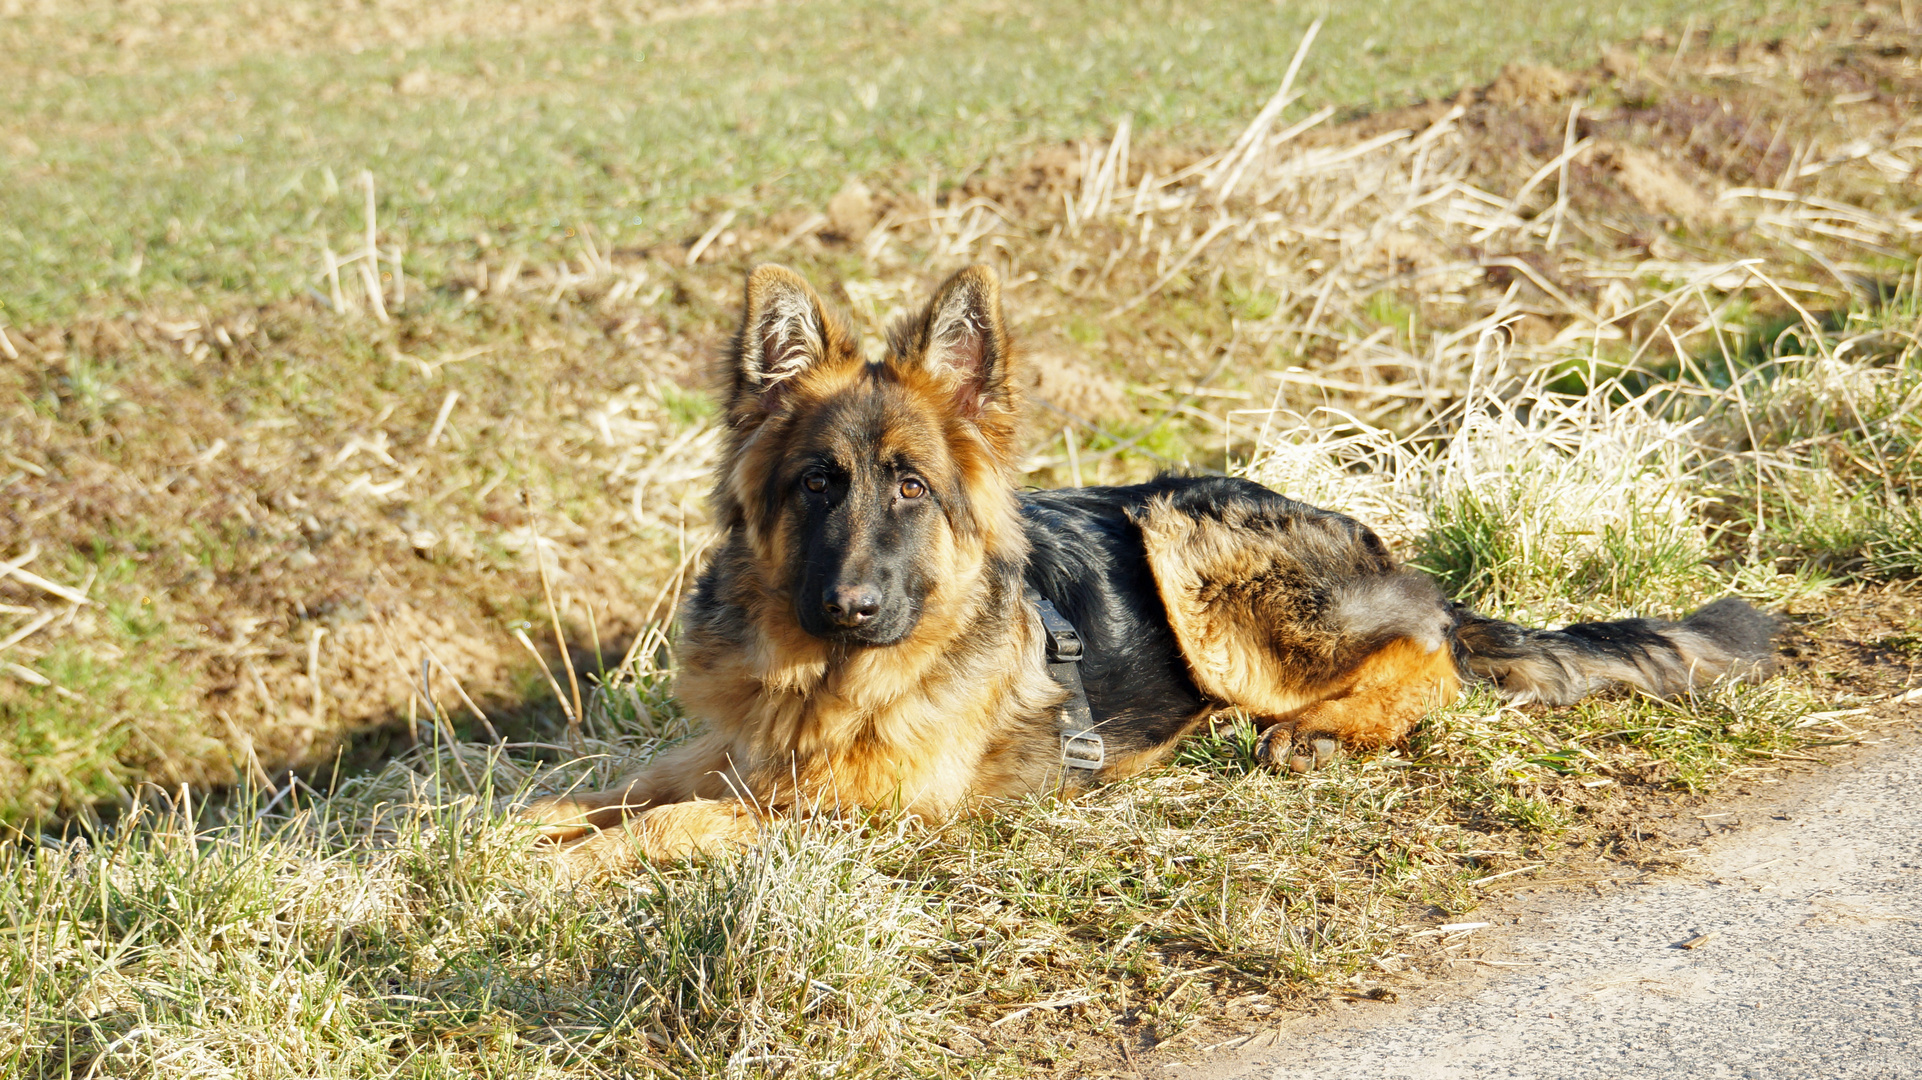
866,637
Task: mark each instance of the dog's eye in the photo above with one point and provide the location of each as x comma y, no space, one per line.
816,482
912,488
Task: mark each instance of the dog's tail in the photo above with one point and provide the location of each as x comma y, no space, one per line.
1728,638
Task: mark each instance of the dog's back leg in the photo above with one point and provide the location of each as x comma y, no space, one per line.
1299,616
1388,692
698,769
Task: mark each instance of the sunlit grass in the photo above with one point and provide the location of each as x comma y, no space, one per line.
147,161
404,926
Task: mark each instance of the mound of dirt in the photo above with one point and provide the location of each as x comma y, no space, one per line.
1658,186
1528,84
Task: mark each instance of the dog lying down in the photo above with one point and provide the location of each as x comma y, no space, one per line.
890,622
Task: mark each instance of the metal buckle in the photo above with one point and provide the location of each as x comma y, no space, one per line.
1082,750
1064,643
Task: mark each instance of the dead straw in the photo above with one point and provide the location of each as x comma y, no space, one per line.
554,621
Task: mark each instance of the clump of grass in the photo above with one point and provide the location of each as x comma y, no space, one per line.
1546,496
57,751
1532,504
1835,425
406,928
796,956
88,699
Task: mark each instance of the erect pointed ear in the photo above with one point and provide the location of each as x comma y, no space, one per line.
964,340
784,332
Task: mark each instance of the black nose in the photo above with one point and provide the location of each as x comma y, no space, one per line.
852,605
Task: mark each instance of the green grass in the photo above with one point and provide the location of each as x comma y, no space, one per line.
118,710
171,173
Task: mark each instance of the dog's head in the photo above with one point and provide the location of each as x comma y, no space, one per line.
870,493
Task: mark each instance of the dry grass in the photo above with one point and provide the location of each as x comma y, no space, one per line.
406,926
1571,363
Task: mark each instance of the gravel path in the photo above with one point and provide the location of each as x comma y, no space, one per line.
1812,967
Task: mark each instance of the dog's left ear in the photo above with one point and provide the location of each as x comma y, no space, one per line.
963,339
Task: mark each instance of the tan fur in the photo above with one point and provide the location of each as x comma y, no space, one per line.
1378,702
696,770
676,830
1230,657
1240,603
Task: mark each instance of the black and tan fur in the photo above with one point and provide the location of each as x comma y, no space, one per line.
862,639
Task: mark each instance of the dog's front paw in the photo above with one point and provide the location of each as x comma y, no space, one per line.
558,818
1281,748
670,833
697,827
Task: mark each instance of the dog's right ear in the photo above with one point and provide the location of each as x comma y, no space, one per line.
784,332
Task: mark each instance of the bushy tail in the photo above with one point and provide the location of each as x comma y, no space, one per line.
1555,667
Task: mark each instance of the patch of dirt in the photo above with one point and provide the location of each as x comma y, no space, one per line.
1660,188
1529,84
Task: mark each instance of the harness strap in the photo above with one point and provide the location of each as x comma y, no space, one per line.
1081,746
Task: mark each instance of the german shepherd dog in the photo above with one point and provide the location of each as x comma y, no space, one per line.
872,632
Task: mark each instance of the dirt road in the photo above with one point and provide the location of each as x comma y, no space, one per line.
1806,926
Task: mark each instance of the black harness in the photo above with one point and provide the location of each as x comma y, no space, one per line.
1081,747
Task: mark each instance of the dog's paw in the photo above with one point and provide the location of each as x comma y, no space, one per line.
1280,749
697,827
558,819
597,855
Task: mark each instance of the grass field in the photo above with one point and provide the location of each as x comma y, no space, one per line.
182,152
1621,329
